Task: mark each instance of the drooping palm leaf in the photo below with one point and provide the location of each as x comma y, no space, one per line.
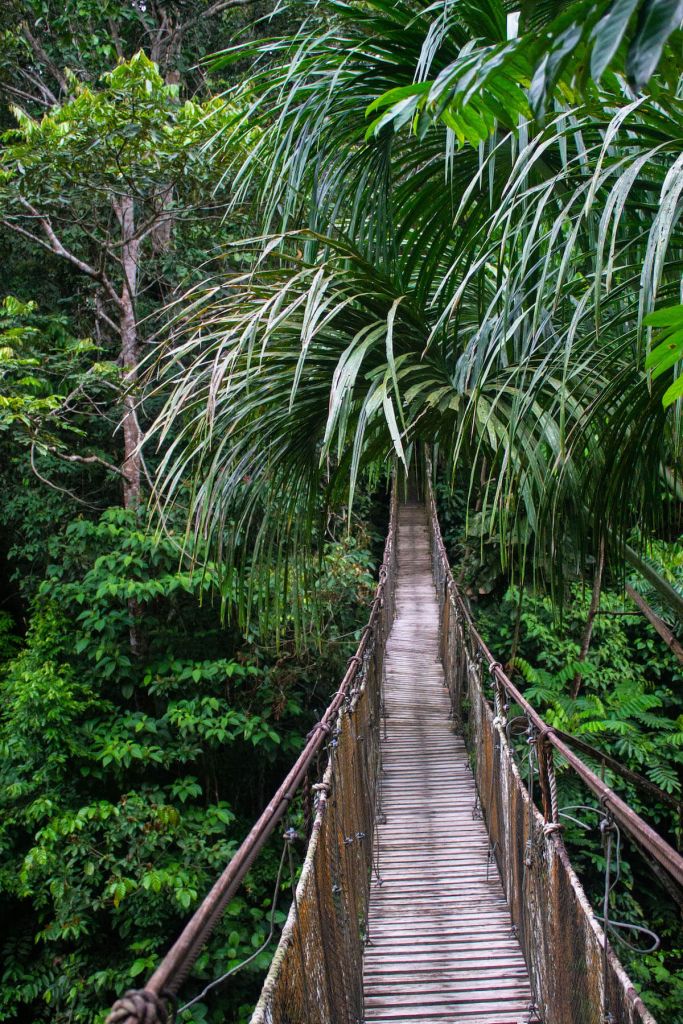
489,299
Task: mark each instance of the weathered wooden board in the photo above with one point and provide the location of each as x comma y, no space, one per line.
442,949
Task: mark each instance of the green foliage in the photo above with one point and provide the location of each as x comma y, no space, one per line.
101,182
132,134
665,559
627,704
489,299
668,350
138,738
8,640
450,269
559,54
43,370
55,394
23,399
89,36
63,175
664,984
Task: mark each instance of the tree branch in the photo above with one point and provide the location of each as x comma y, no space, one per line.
101,315
27,95
113,28
56,487
41,54
210,12
36,239
667,593
592,611
59,249
86,460
48,96
655,621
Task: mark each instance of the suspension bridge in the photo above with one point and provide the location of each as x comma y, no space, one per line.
436,887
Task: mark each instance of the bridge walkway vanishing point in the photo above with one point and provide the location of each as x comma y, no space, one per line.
442,947
436,886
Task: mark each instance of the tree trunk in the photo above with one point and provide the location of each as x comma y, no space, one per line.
592,612
667,593
130,352
667,636
162,232
130,357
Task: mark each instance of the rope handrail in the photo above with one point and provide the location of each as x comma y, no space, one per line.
629,820
146,1006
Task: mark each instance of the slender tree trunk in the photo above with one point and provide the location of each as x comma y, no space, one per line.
162,231
132,463
130,358
667,593
518,626
667,636
130,352
592,612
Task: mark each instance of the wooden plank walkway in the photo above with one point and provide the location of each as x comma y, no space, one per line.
441,942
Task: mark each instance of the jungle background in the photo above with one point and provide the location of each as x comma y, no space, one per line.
151,700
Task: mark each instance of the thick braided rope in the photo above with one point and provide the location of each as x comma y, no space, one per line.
138,1006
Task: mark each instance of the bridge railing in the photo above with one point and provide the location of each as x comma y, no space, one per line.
316,973
575,975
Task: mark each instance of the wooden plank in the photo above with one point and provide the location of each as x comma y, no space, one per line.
442,948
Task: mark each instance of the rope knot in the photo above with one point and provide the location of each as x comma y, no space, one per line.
493,665
138,1006
544,732
607,825
319,727
551,827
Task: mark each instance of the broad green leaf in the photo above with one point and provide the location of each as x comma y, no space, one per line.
670,316
666,355
673,393
608,33
392,96
657,20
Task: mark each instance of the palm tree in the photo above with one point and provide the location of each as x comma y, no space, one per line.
463,238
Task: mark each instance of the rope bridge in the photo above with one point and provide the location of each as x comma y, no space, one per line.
341,958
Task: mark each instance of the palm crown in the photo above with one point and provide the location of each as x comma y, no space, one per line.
464,239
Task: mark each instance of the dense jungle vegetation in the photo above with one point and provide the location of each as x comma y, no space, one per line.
254,256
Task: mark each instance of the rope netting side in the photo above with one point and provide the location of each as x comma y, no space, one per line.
316,973
575,976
